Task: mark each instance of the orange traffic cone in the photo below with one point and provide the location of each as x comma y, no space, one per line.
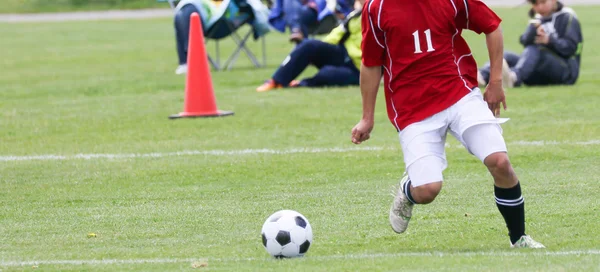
199,94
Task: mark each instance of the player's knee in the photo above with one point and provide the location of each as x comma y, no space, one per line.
498,164
427,193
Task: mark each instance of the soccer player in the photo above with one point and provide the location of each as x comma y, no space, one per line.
430,79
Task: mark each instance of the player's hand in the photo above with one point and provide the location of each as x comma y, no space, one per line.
494,96
542,37
362,131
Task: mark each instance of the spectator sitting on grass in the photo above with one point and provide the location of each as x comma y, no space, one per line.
338,57
553,44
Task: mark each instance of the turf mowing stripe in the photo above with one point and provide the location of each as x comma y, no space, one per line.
51,157
592,252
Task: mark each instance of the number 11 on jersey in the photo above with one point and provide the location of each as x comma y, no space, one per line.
418,42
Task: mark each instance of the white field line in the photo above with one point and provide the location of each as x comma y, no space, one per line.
53,157
189,153
320,258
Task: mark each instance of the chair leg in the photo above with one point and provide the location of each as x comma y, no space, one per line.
264,52
241,45
213,63
219,67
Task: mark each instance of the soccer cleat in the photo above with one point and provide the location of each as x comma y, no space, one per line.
181,69
526,242
268,85
507,79
401,209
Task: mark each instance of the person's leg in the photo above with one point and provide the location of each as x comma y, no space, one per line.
330,75
551,70
425,159
308,52
511,58
308,19
296,14
527,64
182,30
476,127
483,75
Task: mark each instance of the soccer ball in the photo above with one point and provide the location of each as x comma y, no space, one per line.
286,234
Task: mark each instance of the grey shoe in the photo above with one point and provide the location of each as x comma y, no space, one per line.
526,242
507,79
401,209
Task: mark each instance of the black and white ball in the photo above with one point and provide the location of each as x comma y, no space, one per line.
287,234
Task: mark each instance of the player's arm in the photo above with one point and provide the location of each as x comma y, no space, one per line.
370,72
494,92
481,19
369,86
495,45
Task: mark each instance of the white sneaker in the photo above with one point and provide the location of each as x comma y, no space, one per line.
181,69
507,79
526,242
401,209
480,80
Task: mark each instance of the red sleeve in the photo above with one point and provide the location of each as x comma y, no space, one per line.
479,17
373,50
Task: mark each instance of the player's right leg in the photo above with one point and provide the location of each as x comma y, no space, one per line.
425,158
476,127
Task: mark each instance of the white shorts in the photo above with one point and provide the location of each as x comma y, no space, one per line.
469,120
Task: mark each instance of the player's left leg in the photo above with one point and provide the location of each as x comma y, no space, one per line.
475,126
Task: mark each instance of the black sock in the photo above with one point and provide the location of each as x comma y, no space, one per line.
511,204
406,190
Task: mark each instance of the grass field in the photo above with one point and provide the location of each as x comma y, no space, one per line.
105,89
36,6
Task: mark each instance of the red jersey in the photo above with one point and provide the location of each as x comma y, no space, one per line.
428,66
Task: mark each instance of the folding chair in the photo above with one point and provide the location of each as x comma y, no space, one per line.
226,22
232,15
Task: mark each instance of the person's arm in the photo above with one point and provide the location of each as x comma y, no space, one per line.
481,19
373,52
494,92
495,45
528,36
565,45
369,86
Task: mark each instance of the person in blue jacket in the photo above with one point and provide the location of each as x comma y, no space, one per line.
302,15
552,43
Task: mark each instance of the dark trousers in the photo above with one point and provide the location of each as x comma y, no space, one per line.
537,65
182,30
299,16
335,66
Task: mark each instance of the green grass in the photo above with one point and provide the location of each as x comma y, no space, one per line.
36,6
107,87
